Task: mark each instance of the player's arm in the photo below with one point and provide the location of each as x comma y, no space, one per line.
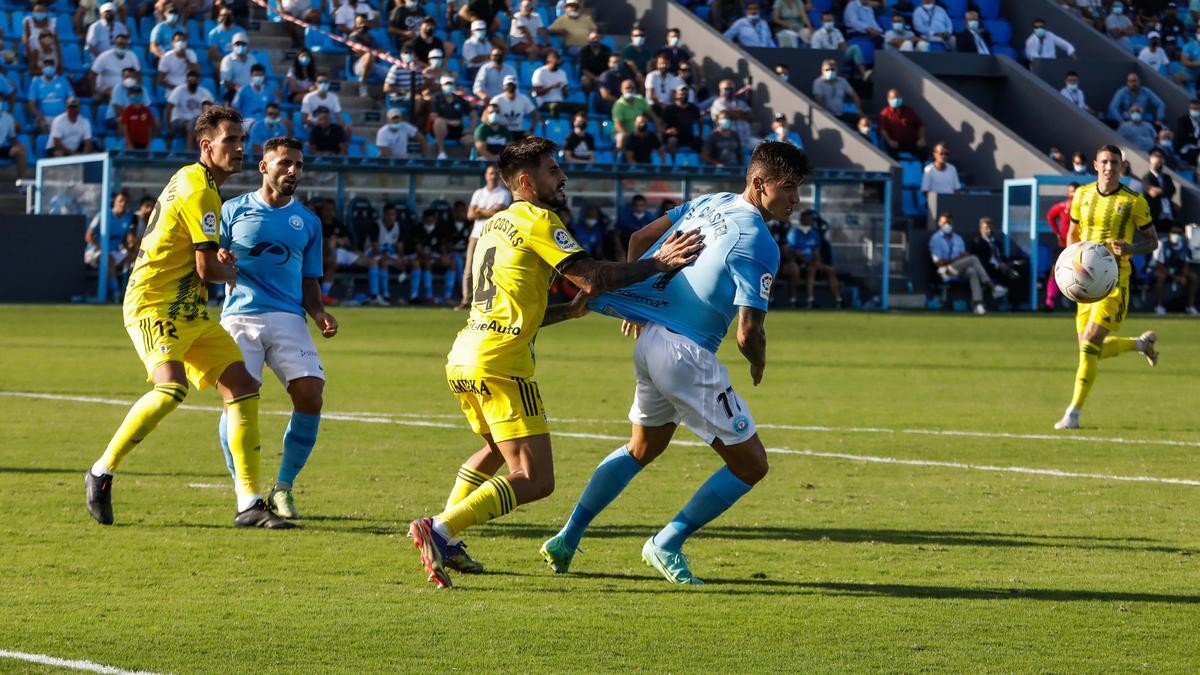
1073,232
644,238
1144,241
215,266
574,309
752,340
311,300
595,276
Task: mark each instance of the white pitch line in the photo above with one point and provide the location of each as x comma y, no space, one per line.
375,418
44,660
208,486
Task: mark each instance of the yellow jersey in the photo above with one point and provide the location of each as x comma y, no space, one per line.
185,218
518,254
1117,215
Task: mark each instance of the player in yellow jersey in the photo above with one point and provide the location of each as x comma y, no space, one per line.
1109,213
490,367
166,315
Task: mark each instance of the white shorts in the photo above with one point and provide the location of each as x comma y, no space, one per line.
680,381
345,256
279,339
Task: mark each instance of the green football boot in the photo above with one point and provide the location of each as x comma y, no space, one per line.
282,503
557,554
672,564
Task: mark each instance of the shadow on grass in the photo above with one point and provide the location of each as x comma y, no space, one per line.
862,536
80,471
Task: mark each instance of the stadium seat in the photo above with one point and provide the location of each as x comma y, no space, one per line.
525,75
66,28
557,130
319,43
867,47
158,144
1004,50
114,144
1000,30
821,6
988,9
687,158
955,8
72,56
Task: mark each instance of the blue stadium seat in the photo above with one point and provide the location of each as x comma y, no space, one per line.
372,151
687,158
317,42
604,157
525,75
66,28
72,56
158,144
988,9
39,145
867,47
178,146
1001,31
557,130
821,6
1004,50
114,143
955,8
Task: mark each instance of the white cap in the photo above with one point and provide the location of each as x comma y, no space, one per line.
108,7
394,112
510,79
435,52
447,79
478,24
1152,34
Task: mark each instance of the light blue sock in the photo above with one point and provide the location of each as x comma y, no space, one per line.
384,282
298,442
451,277
223,434
606,483
717,494
415,279
427,278
373,280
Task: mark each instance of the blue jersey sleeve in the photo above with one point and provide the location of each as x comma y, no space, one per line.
676,214
313,267
752,263
228,210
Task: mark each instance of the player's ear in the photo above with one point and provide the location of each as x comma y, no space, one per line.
262,166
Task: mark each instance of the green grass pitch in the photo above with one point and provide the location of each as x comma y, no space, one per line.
830,564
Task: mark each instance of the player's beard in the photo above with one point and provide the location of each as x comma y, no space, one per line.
286,189
551,198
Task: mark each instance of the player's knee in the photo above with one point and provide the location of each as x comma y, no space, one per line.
752,470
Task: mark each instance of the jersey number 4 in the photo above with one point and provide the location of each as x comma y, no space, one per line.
485,289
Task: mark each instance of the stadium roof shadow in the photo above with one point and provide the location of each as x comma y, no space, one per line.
865,536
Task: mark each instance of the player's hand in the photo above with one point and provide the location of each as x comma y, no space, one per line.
680,249
226,257
578,306
1120,248
756,372
326,324
629,328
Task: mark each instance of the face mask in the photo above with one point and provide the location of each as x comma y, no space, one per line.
973,24
1118,10
272,119
1175,238
436,63
781,132
394,126
492,118
580,128
323,87
638,41
1153,44
639,212
752,17
447,89
1072,87
1040,32
258,80
305,60
896,102
1135,117
227,21
727,94
1166,144
828,25
641,127
1079,168
180,47
407,57
804,228
172,18
590,222
193,86
947,228
629,95
1194,114
479,34
39,16
898,27
48,71
411,4
783,77
136,100
829,75
674,42
120,52
864,130
239,49
725,123
573,13
129,82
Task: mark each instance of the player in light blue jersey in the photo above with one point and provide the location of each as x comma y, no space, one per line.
278,241
684,317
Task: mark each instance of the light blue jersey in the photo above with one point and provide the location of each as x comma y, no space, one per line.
736,269
276,249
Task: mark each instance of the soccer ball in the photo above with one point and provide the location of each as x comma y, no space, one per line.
1086,271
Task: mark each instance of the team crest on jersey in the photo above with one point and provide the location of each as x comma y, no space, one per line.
564,240
741,423
1121,209
209,224
764,286
296,222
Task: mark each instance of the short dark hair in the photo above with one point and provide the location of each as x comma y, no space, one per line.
1158,152
638,198
287,142
1071,73
211,118
1110,148
524,155
1074,185
774,160
258,67
179,33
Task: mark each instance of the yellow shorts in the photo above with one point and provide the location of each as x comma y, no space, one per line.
501,406
1108,312
202,345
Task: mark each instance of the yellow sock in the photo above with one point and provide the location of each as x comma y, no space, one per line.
465,483
491,500
1085,377
1117,345
242,419
149,410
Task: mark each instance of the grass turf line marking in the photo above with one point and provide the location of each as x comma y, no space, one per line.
371,418
44,660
